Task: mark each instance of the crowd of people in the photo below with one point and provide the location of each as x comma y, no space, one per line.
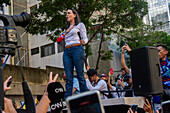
75,37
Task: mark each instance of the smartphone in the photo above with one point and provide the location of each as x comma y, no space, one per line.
9,82
86,102
166,106
134,107
111,71
124,43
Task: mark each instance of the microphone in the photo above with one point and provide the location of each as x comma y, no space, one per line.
79,35
56,95
29,101
55,91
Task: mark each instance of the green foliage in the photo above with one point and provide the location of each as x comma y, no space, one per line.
112,16
145,35
7,2
107,55
88,50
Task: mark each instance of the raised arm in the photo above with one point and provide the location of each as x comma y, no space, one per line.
123,63
110,86
43,105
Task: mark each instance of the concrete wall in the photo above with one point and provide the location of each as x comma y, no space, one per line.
104,66
36,78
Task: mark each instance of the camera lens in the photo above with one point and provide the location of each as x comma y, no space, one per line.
22,20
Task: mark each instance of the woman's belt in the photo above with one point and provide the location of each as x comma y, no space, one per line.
73,45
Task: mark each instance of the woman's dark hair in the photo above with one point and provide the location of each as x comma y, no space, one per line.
76,19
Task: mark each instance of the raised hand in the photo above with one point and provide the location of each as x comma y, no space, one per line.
126,47
147,107
51,80
130,111
82,42
5,84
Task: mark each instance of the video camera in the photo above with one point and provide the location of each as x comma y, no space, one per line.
8,33
8,44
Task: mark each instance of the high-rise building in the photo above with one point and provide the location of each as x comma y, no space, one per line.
159,11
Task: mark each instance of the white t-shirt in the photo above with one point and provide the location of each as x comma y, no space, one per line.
73,38
101,86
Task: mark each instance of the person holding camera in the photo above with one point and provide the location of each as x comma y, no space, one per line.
127,79
74,54
113,88
123,63
9,108
146,107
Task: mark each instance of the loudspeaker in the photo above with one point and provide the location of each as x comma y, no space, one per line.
146,73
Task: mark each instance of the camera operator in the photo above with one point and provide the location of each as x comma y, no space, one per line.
128,80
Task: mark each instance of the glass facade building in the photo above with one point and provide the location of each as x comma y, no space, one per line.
159,11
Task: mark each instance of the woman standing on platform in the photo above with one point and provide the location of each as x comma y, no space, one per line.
75,36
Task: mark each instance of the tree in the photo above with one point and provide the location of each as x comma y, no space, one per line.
7,2
110,15
145,35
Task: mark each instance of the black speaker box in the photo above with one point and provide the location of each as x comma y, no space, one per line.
146,73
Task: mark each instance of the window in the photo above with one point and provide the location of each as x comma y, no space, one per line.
35,51
47,50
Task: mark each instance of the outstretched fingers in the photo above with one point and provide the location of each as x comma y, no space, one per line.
51,78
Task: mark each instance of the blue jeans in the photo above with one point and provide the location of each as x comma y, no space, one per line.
74,57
